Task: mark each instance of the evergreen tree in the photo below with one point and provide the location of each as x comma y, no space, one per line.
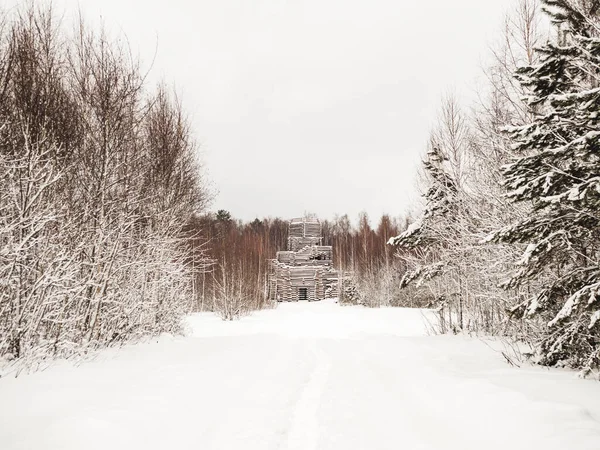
557,170
224,216
426,232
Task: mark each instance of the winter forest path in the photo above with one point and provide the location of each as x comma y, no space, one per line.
304,376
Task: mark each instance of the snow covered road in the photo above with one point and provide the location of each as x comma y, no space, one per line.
304,376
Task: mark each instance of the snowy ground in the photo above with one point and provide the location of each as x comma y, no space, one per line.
304,376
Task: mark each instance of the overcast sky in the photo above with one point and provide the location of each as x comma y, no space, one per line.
309,105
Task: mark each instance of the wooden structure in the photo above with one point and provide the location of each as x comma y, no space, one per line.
305,270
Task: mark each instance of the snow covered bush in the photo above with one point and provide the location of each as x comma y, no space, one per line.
233,297
350,293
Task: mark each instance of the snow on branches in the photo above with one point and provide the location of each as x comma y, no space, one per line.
557,170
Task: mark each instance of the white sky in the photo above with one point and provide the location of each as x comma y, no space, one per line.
309,105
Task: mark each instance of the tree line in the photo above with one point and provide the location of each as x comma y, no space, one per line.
235,281
99,180
508,241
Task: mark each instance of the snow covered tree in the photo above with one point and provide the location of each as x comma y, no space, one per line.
558,173
464,197
440,196
432,244
98,181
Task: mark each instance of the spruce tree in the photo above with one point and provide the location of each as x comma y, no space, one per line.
557,170
427,232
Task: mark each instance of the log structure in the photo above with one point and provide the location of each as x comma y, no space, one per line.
305,270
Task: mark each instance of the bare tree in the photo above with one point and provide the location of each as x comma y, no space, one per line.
99,182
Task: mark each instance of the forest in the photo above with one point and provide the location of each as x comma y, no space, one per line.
109,231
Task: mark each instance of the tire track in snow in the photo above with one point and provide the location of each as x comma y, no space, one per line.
304,428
